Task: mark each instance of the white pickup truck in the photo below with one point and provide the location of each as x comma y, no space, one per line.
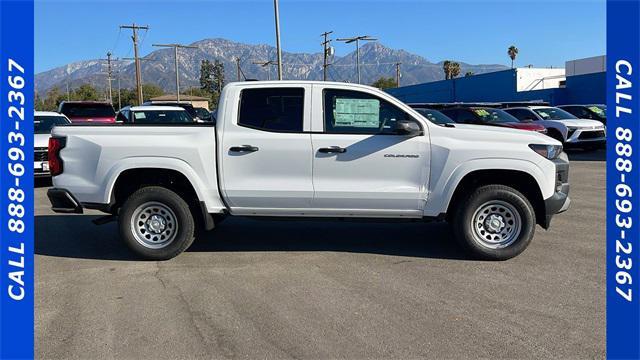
310,149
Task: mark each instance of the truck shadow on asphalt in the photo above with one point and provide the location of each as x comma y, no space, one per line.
75,236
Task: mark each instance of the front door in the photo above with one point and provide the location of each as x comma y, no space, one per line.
362,166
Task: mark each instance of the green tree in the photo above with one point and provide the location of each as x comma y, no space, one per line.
384,83
206,76
151,90
446,67
513,53
212,79
468,73
86,92
455,70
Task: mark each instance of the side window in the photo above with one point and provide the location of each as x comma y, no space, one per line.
466,116
272,109
354,112
123,116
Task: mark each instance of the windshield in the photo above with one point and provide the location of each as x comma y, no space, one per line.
493,116
435,117
551,113
161,117
44,124
88,110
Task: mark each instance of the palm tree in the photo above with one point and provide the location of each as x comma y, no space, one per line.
512,52
446,67
455,70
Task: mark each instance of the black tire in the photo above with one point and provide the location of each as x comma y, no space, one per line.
507,199
155,200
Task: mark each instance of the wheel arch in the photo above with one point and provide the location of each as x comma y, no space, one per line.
519,180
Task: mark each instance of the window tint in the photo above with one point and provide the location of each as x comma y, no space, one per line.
522,115
161,117
354,112
275,109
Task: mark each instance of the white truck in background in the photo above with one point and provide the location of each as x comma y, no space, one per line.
310,149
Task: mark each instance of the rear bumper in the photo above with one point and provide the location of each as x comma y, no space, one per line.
559,201
62,201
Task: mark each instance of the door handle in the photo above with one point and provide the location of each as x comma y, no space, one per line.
243,148
333,150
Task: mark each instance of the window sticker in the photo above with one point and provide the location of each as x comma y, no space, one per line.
139,116
364,113
481,112
596,110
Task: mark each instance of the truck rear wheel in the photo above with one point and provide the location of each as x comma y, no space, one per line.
495,222
156,223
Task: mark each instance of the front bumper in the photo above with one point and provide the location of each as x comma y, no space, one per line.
590,137
62,201
559,201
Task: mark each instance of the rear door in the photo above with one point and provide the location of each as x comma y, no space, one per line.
361,165
266,154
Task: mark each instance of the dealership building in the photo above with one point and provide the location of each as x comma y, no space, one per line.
582,81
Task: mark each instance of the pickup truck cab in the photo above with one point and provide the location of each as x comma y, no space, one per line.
316,150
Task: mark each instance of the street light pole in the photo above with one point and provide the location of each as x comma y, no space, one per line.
175,61
278,49
357,39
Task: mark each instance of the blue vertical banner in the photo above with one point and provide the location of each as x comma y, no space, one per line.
623,182
16,179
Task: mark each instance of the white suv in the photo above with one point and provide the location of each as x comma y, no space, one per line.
563,126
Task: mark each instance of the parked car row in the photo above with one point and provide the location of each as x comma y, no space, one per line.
556,122
581,126
100,112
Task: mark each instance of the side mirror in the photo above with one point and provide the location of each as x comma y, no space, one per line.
408,127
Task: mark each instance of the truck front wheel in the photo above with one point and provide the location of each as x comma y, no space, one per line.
156,223
495,222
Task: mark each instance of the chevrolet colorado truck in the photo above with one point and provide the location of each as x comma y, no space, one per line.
315,150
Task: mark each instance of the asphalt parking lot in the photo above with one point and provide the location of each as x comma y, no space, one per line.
264,289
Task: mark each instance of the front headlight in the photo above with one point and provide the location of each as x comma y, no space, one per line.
548,151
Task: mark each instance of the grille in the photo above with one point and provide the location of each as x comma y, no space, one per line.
41,154
591,135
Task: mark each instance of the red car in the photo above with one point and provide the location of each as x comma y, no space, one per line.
80,112
490,116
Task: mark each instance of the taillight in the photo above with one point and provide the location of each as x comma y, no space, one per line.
55,162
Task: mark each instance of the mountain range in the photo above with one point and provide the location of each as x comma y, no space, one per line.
158,67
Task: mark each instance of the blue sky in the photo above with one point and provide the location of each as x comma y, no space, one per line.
546,32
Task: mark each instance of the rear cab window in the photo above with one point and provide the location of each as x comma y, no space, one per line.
272,109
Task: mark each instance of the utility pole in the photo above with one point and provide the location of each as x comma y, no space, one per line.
266,64
119,100
279,50
238,70
139,60
327,49
135,29
109,77
357,39
175,54
398,74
